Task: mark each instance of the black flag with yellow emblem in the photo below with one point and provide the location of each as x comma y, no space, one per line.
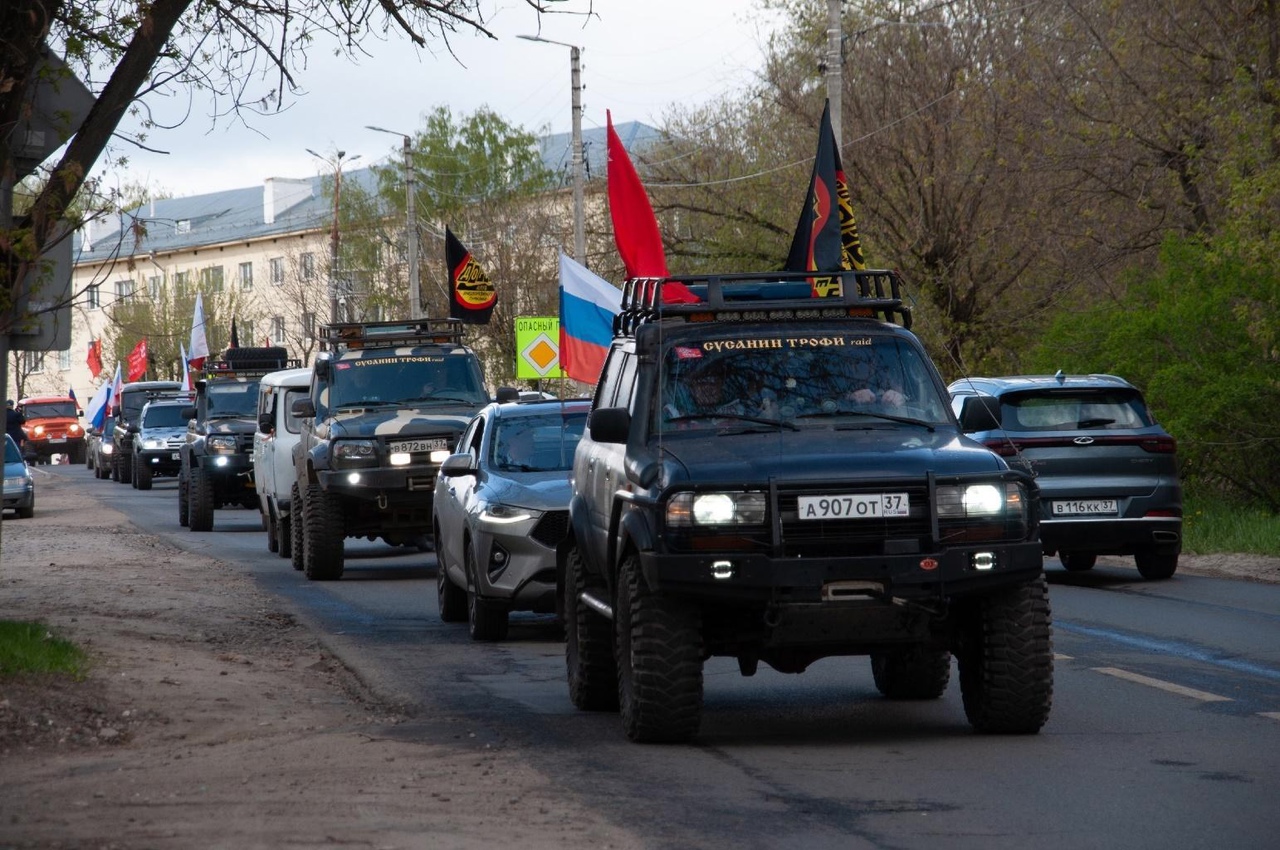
473,295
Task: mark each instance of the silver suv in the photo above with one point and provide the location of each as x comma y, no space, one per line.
1107,471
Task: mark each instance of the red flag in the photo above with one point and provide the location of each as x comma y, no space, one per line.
826,238
95,357
635,228
137,361
471,294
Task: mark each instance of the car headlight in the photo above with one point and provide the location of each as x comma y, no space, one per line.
221,443
496,513
73,428
38,431
108,448
353,453
685,510
153,444
979,500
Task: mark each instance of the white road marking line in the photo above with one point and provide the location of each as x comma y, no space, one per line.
1274,715
1203,696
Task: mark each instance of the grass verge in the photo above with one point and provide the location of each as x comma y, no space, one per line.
27,647
1210,527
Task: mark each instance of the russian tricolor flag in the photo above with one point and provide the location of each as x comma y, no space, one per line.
588,304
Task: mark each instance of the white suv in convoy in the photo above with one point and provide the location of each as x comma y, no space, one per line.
273,443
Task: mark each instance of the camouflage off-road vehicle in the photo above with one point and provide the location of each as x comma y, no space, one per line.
388,401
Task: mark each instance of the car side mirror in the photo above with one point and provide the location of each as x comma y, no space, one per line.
457,465
266,423
133,429
189,412
610,424
303,408
980,413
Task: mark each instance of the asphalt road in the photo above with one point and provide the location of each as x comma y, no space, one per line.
1165,730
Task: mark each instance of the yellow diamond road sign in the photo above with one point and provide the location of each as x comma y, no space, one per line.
538,341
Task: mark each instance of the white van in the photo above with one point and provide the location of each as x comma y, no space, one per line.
273,444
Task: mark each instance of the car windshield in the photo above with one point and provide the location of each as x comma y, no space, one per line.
417,379
1071,410
538,443
11,451
840,379
49,409
231,398
165,416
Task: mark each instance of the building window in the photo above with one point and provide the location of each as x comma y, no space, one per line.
181,283
277,330
277,271
211,279
64,360
246,276
154,286
308,264
95,299
33,361
124,290
309,324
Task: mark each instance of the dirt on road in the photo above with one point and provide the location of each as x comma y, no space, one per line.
211,718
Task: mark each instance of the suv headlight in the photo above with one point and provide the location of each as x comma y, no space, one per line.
496,513
221,443
348,453
152,443
108,448
972,501
686,510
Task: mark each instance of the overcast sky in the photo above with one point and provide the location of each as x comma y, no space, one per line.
638,58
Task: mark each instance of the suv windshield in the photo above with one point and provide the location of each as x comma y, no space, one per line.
231,398
49,410
1069,410
164,416
406,379
850,378
537,443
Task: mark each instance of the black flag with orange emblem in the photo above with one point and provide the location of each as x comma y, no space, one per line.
472,293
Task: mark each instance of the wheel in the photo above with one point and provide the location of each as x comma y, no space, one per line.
28,512
143,478
450,599
126,469
1156,563
80,454
659,655
486,620
100,471
322,534
200,498
297,548
273,540
1077,562
115,468
913,673
184,504
1006,661
588,645
284,536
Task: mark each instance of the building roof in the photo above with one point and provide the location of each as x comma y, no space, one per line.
288,205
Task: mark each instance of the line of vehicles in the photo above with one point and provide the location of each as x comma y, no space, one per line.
759,475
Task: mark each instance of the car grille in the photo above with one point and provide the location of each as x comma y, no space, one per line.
551,529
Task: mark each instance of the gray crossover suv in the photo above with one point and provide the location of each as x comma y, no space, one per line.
1107,471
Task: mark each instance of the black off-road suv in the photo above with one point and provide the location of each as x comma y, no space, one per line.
777,477
124,422
217,456
388,402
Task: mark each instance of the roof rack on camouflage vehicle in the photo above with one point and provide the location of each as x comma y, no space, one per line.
349,335
765,296
249,363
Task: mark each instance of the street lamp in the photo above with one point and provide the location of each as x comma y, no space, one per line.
575,70
411,223
336,162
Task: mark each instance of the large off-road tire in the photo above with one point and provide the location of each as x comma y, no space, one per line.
911,673
200,498
322,534
99,470
659,655
269,523
1156,563
1006,661
297,546
1077,562
126,468
184,501
143,477
487,619
284,536
589,661
115,468
450,599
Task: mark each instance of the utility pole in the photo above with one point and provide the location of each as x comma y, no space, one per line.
835,64
335,303
411,221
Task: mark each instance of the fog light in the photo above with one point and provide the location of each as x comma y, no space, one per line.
722,569
439,455
400,458
219,461
353,478
982,561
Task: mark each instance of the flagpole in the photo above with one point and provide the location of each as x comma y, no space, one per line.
835,62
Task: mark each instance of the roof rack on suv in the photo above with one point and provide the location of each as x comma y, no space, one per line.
872,293
249,362
348,335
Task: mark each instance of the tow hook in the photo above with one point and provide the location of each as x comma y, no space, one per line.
382,501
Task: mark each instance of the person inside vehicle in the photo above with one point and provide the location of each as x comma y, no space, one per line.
875,385
702,392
